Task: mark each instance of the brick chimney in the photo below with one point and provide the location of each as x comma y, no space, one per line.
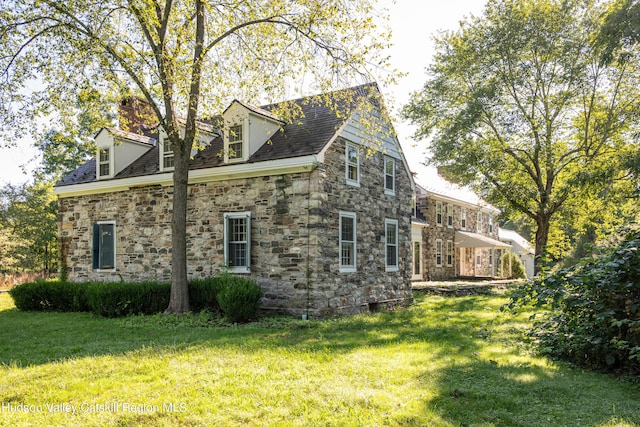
135,115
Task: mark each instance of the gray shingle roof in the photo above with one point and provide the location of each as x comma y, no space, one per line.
306,136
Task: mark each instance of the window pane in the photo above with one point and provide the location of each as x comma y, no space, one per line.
391,256
168,161
347,241
392,244
235,133
347,229
388,182
235,150
237,242
104,155
346,255
352,163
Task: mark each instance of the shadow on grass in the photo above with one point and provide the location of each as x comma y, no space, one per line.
483,393
472,371
34,338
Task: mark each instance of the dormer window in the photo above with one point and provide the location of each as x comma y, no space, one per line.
104,162
235,142
167,156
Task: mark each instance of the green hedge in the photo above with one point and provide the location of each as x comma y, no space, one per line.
241,297
123,299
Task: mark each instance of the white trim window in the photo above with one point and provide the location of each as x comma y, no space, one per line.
463,218
417,258
391,244
491,224
347,242
237,241
439,213
479,222
389,176
449,253
104,163
235,146
449,215
438,253
167,156
491,257
104,246
352,165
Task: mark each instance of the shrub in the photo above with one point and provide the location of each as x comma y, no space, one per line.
122,299
594,316
50,296
517,267
203,294
239,298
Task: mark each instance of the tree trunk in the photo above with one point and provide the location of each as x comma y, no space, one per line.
179,299
542,237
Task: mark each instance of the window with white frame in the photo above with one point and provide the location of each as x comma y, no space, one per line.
389,175
479,222
450,215
449,253
104,162
353,165
167,155
236,141
391,244
104,245
347,242
237,241
417,259
463,218
490,257
438,253
491,224
438,213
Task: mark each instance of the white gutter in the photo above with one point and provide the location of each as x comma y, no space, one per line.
219,173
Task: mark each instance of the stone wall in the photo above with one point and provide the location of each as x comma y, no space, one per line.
294,235
371,285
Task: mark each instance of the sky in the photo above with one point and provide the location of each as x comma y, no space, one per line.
413,24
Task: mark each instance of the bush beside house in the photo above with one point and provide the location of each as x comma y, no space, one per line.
239,297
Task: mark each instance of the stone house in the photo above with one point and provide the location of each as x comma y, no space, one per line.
317,210
454,234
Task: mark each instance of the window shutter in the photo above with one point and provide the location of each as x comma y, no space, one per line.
96,246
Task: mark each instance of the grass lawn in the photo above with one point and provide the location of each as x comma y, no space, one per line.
443,362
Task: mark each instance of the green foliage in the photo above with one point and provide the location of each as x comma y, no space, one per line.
519,104
51,296
239,298
203,294
119,299
621,29
28,227
517,267
594,309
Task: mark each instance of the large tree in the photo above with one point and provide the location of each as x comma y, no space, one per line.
186,58
519,103
28,227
